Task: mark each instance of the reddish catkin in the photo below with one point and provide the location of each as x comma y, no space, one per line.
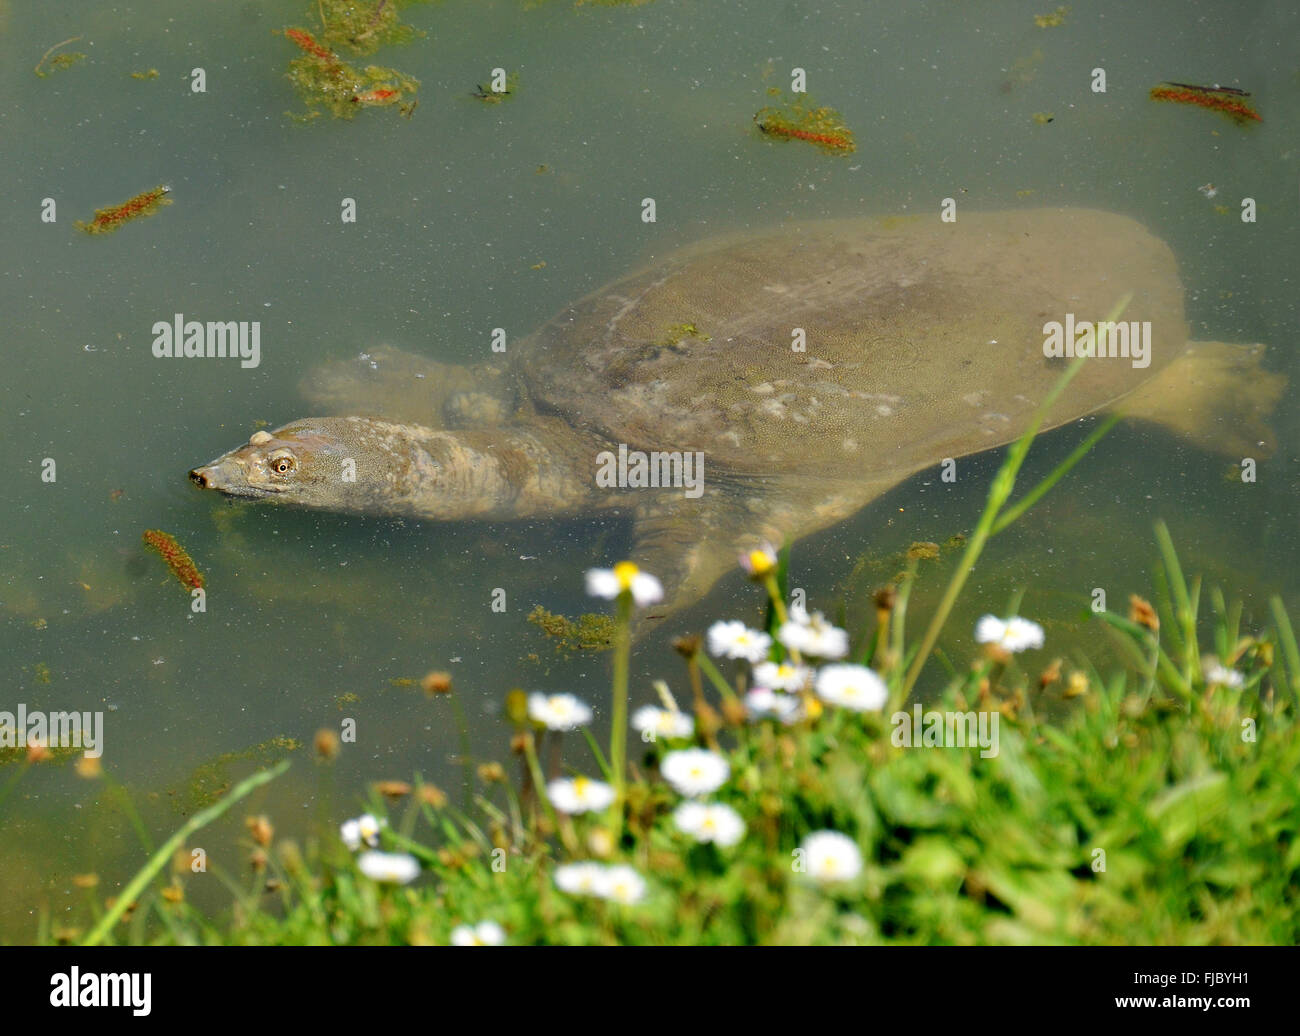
1227,103
305,40
831,140
181,564
109,219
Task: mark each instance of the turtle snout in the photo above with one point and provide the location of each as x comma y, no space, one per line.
199,476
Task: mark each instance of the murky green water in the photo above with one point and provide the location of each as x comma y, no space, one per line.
617,104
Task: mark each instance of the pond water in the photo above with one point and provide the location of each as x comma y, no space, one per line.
473,216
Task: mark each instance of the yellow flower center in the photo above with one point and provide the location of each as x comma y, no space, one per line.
760,563
625,572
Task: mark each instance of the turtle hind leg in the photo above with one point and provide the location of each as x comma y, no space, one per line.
406,387
1216,395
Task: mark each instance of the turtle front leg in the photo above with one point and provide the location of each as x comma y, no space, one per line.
390,383
691,544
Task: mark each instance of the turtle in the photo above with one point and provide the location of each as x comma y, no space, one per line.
776,381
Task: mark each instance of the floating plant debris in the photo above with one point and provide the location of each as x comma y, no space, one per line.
181,564
326,80
1043,118
61,61
591,632
1225,100
108,220
491,96
822,127
364,26
1051,21
151,73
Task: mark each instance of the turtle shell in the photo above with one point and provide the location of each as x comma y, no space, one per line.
856,345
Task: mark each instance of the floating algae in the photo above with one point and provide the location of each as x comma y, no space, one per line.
1051,21
364,27
61,61
324,79
1225,100
151,73
212,779
822,127
591,632
181,564
108,220
491,95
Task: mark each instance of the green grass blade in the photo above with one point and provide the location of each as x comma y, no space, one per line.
159,859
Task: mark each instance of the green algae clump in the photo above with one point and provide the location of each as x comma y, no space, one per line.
591,632
821,126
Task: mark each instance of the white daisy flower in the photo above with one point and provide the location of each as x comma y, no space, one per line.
622,884
695,771
579,879
485,933
812,635
852,687
364,828
1224,677
390,868
736,640
666,723
1014,634
710,822
763,701
579,795
558,711
369,828
781,676
625,577
831,856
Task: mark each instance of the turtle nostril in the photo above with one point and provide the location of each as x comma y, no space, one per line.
199,479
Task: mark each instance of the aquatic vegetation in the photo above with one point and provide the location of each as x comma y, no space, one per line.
110,219
365,25
1052,20
488,95
212,779
1225,100
325,80
590,632
180,563
822,127
61,61
151,73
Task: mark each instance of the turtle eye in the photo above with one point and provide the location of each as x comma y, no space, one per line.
282,463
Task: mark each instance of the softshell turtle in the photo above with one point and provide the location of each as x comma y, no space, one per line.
812,367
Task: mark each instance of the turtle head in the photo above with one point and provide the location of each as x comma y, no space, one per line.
306,462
